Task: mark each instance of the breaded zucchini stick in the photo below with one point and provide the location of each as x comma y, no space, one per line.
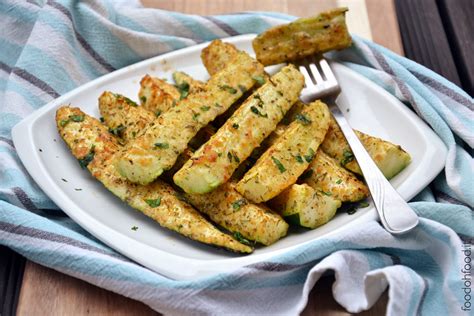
303,37
215,161
290,155
157,149
94,147
124,118
229,209
325,175
186,82
156,95
390,158
302,205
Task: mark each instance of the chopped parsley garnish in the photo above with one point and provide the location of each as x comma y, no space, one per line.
129,101
279,164
183,89
241,239
259,79
363,204
205,108
326,193
310,156
236,158
338,181
235,125
260,102
238,204
257,112
348,157
308,173
63,122
101,119
228,89
134,228
217,105
195,116
158,113
229,156
84,161
143,99
299,158
153,203
162,145
242,88
118,131
303,119
76,118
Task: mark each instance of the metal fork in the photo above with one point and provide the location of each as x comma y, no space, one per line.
394,213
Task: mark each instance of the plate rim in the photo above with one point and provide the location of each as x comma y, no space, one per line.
22,136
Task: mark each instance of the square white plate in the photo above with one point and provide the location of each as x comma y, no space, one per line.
48,160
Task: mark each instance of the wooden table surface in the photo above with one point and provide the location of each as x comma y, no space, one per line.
47,292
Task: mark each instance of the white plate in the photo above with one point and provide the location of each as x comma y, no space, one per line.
373,111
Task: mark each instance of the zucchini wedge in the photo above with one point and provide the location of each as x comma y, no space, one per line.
91,143
390,158
156,95
229,209
157,149
214,162
325,175
125,119
290,155
302,205
303,37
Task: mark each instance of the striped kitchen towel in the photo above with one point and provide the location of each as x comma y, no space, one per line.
48,48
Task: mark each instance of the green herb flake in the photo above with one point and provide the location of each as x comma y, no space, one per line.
363,204
183,89
259,79
143,99
195,116
129,101
228,89
235,126
158,113
299,158
153,203
217,105
205,108
162,145
242,88
310,156
339,181
348,157
326,193
303,119
241,239
229,156
84,161
63,123
351,210
236,158
307,174
238,204
76,118
118,131
279,164
101,119
257,112
134,228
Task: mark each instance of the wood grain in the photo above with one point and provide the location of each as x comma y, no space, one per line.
48,292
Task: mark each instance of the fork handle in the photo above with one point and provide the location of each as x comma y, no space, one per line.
395,214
